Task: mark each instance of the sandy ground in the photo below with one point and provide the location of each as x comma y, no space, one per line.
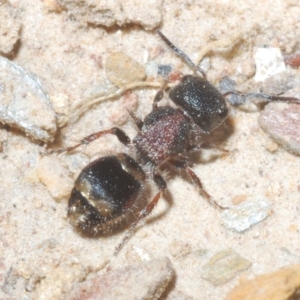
41,255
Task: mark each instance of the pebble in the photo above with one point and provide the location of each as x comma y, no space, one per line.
224,266
179,249
10,27
49,283
293,60
54,175
282,122
151,69
245,215
121,69
146,280
52,6
61,105
226,85
269,62
147,14
164,71
280,285
24,104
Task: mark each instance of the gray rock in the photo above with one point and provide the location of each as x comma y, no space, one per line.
146,280
223,266
282,122
24,104
10,27
147,14
245,215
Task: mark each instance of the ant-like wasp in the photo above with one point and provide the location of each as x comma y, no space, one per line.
111,189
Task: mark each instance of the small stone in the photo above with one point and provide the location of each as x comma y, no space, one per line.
136,254
178,249
238,199
269,62
53,282
205,64
147,14
52,6
175,76
223,266
282,122
245,215
121,69
146,280
24,104
61,105
280,285
164,71
54,175
270,145
151,69
10,27
226,85
293,60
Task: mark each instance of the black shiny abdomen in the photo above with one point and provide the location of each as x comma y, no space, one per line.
104,194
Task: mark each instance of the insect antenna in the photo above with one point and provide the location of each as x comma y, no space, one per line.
181,54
